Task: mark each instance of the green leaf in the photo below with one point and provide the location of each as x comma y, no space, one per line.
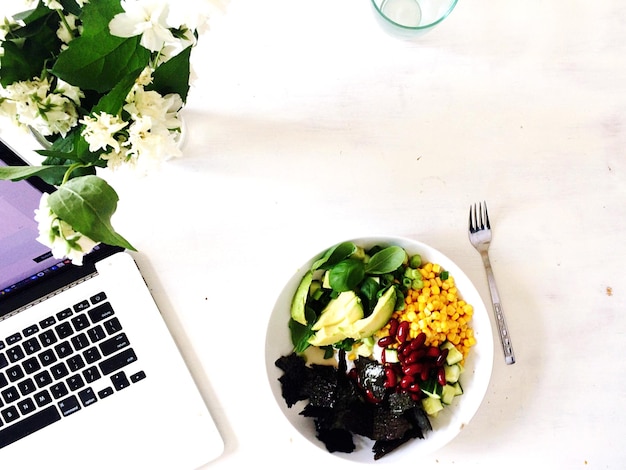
24,59
300,335
87,203
346,275
52,174
112,102
98,60
173,75
333,255
386,260
70,6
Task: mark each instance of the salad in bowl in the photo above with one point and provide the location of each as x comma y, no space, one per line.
379,347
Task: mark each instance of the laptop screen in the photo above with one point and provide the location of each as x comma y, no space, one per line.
24,262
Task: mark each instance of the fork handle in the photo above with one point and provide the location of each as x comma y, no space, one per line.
503,330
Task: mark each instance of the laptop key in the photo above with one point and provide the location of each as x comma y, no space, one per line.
59,371
29,331
15,373
80,322
87,397
59,390
63,349
47,357
26,387
117,343
91,374
3,361
31,365
43,379
31,346
64,314
69,405
47,322
96,333
10,414
96,299
75,382
29,425
92,355
64,329
26,406
100,312
114,363
120,381
15,353
106,392
10,395
48,338
42,398
136,377
14,338
82,305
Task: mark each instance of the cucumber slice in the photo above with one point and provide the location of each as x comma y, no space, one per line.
452,372
391,355
454,355
447,394
432,406
458,390
432,388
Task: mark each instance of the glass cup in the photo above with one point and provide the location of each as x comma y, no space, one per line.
412,18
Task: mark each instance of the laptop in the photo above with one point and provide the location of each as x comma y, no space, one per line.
90,376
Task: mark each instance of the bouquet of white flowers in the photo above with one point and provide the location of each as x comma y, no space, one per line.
103,82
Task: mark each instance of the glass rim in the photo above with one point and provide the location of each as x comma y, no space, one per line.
415,28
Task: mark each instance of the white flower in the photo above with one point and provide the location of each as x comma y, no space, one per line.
147,18
59,236
72,92
100,131
48,113
163,110
67,28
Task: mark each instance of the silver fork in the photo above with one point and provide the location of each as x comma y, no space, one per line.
480,236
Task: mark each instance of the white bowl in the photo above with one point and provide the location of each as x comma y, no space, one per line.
450,421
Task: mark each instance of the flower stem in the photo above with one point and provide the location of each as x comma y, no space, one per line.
70,170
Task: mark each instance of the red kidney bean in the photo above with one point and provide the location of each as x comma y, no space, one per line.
369,395
442,357
441,376
416,396
418,341
424,374
403,331
393,327
417,355
433,351
386,341
414,388
412,369
390,378
406,381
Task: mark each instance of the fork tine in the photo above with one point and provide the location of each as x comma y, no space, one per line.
486,216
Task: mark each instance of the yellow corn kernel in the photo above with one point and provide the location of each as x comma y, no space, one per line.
436,268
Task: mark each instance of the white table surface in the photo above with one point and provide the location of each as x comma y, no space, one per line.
308,125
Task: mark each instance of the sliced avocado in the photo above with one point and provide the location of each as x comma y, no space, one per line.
380,316
329,335
299,299
345,309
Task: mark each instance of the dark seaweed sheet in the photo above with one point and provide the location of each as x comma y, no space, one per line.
340,410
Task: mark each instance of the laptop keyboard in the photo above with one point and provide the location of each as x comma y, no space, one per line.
53,369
